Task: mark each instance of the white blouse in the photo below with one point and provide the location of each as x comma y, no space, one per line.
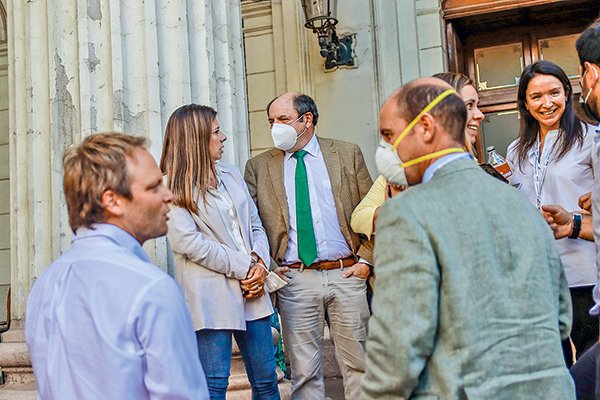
224,204
560,182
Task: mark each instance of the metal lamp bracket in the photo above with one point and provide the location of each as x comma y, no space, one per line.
340,52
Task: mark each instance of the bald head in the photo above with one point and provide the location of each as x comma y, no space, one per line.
301,103
411,98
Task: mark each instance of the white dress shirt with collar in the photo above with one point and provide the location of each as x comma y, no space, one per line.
331,244
103,322
562,182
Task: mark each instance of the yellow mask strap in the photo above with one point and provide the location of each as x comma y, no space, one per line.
416,119
433,155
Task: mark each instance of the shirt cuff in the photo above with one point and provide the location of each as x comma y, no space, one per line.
362,260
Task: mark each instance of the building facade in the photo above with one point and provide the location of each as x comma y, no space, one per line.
69,68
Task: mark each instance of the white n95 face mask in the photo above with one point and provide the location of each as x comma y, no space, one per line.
285,136
389,164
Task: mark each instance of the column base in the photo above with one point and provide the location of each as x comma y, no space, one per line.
15,365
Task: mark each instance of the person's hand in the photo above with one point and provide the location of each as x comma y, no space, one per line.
559,220
585,202
281,272
359,269
253,285
392,190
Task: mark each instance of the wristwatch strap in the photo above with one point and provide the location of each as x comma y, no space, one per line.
577,218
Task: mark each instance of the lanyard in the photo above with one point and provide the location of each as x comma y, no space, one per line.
539,171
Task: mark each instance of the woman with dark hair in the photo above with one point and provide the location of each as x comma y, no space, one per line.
551,164
221,252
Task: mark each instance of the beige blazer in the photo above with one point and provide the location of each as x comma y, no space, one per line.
350,182
207,265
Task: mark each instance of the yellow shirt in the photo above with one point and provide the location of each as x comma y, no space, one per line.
362,216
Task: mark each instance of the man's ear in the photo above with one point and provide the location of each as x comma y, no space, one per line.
428,126
308,118
591,68
112,203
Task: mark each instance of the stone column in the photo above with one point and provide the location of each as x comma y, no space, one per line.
77,67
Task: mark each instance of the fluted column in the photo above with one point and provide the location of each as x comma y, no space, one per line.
77,67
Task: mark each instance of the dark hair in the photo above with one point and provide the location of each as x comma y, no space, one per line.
571,128
451,112
588,44
302,104
98,164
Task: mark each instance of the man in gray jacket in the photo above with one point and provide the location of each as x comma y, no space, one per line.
471,299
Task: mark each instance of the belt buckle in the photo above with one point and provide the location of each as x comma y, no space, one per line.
301,266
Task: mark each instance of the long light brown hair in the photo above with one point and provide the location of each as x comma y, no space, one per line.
458,81
185,156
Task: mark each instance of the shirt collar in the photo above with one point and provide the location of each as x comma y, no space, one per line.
312,147
114,233
220,167
441,162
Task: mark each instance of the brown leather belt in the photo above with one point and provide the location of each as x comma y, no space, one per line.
325,265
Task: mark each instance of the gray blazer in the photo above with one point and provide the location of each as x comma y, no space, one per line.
470,298
207,265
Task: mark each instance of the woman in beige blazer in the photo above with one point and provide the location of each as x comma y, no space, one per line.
220,250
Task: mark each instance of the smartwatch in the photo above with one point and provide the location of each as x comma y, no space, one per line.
576,226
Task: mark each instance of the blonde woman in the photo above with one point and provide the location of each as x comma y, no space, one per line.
220,250
365,214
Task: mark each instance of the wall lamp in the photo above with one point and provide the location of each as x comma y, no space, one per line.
321,18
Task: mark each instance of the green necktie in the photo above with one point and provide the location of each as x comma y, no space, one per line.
307,246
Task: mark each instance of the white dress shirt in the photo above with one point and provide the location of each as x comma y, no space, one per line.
104,323
561,182
331,244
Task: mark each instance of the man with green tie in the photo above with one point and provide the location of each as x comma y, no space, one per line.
306,189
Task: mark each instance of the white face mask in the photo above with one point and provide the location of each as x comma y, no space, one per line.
285,136
389,164
387,159
583,99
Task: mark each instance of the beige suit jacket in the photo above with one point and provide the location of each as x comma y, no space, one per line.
350,182
208,266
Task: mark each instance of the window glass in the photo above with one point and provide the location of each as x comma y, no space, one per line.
499,66
499,130
561,50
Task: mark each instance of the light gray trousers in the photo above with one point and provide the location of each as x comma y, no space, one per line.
302,305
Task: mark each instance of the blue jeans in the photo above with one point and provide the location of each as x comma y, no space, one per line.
258,352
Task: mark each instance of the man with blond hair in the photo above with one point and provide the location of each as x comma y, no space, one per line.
102,321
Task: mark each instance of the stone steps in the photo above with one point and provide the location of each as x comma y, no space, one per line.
19,381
